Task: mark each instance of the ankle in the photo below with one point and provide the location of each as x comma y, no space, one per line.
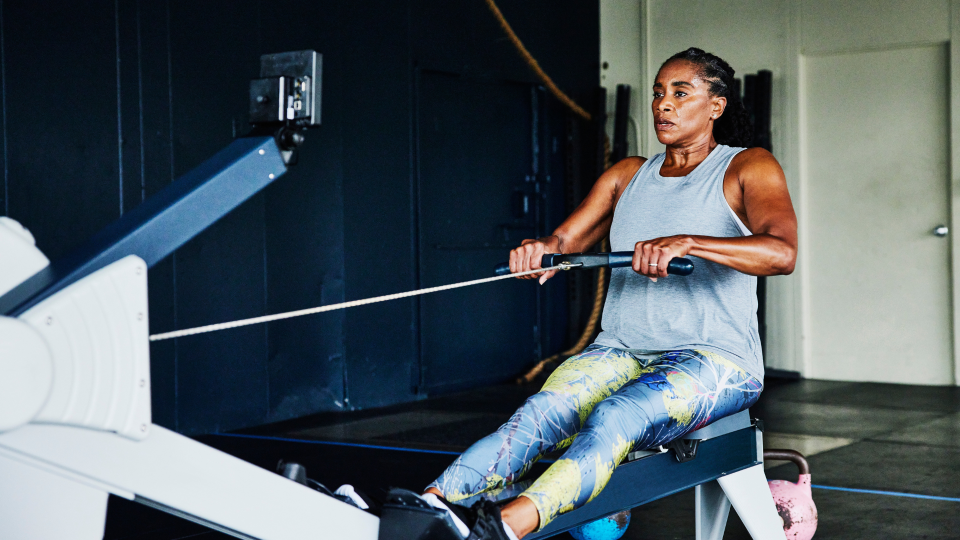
521,515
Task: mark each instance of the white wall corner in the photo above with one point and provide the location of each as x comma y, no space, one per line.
786,301
621,62
955,180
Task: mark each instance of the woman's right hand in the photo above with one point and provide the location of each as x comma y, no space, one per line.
530,253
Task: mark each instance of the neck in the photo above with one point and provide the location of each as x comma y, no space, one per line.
683,155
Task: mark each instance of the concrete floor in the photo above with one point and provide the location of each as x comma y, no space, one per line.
904,440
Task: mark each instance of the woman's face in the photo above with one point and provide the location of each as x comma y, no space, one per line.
683,109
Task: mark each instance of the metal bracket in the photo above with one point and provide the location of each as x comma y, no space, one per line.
684,449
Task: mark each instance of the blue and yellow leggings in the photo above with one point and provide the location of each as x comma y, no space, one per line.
601,403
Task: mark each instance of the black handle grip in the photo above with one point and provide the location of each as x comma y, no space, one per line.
677,266
617,259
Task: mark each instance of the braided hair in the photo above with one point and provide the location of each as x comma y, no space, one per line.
733,128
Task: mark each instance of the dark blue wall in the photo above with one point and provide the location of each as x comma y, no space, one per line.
433,129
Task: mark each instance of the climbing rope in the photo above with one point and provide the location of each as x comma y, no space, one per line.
591,327
344,305
534,65
588,331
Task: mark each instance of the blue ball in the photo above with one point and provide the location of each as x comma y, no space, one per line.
611,527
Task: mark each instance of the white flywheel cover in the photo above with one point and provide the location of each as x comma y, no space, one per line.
26,373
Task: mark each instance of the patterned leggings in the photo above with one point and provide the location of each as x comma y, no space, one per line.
601,403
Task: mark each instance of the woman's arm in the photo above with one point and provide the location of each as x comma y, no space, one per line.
586,226
765,202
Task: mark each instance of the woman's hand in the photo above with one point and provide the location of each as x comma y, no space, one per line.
651,257
529,254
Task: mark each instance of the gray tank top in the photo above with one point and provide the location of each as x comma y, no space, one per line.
715,308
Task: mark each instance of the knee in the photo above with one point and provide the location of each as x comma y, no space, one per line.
550,405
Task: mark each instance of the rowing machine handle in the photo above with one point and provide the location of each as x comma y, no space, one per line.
617,259
677,266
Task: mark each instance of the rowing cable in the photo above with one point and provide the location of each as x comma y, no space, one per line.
344,305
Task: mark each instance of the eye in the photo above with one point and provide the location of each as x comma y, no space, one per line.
657,94
680,93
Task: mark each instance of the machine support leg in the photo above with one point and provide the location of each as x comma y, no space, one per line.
750,496
713,507
40,504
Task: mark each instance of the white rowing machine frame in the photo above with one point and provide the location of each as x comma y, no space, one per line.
75,426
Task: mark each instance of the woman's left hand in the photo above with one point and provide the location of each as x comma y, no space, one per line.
651,257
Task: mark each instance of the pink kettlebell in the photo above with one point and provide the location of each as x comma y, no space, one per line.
794,501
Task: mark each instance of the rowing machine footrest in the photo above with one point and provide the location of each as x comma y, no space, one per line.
405,516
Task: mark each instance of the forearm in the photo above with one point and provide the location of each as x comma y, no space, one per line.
578,239
758,255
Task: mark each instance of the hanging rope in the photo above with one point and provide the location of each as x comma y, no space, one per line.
532,62
588,331
344,305
599,296
602,274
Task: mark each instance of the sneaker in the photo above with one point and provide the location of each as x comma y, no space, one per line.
351,495
482,520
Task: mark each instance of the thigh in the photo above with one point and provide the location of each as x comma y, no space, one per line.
685,390
590,377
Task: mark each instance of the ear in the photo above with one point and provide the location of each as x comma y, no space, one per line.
719,105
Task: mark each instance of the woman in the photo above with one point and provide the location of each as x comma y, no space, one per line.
674,354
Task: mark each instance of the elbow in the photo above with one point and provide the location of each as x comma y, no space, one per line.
785,262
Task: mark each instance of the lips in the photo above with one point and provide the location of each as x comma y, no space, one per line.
662,124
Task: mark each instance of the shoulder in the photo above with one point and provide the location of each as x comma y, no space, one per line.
753,160
631,164
625,169
755,163
620,173
614,181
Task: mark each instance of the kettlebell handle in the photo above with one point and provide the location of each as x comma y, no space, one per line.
788,455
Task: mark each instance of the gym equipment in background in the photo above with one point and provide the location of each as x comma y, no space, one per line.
794,500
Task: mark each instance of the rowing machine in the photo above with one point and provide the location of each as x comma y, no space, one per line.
75,418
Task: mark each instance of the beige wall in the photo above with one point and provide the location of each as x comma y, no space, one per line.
621,24
776,35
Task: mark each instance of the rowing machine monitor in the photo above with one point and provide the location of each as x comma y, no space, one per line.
286,98
617,259
288,90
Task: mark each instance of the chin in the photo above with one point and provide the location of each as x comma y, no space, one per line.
666,138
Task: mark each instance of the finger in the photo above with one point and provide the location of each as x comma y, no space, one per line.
653,266
536,257
646,260
528,253
514,261
521,259
663,263
637,263
546,276
660,258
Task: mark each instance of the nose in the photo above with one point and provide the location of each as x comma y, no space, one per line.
662,105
